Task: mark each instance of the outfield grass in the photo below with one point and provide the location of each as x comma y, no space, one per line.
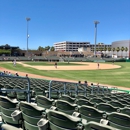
117,77
51,63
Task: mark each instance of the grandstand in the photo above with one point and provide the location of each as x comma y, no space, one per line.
60,58
39,104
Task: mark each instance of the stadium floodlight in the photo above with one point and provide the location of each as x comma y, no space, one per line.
95,22
27,19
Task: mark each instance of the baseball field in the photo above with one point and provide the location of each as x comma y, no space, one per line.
109,74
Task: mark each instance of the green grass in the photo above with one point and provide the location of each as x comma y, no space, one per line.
50,63
117,77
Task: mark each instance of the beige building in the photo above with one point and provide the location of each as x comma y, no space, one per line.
69,46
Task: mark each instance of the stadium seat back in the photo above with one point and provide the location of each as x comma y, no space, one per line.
125,110
67,98
106,99
97,126
62,121
8,106
81,102
39,91
65,106
106,107
7,103
43,101
118,120
90,113
116,104
31,113
82,97
97,100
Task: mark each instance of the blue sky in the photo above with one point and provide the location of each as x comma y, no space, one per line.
63,20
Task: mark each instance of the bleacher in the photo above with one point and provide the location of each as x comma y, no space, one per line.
38,104
58,58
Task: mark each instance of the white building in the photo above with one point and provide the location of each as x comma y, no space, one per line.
121,44
69,46
73,46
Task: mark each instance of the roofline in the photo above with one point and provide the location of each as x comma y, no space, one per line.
72,42
121,41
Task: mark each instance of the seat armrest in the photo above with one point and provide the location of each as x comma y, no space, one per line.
42,124
76,114
16,115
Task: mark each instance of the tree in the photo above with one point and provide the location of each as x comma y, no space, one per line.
117,49
113,49
122,49
47,48
41,48
101,49
52,48
97,49
3,51
7,45
109,48
126,49
105,49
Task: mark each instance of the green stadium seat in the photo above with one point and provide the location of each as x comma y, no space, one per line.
127,99
106,107
114,98
7,107
9,127
21,96
65,106
116,104
61,121
106,99
82,97
81,102
125,110
67,98
39,91
90,113
54,95
92,95
31,115
97,126
11,94
124,102
118,120
97,100
44,102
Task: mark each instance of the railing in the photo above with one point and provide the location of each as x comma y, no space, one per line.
74,88
60,87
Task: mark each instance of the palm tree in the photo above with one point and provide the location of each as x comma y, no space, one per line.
97,49
41,48
105,49
122,49
126,49
47,48
117,49
102,49
113,49
52,48
109,49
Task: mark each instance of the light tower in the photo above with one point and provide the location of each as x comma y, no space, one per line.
95,22
28,19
